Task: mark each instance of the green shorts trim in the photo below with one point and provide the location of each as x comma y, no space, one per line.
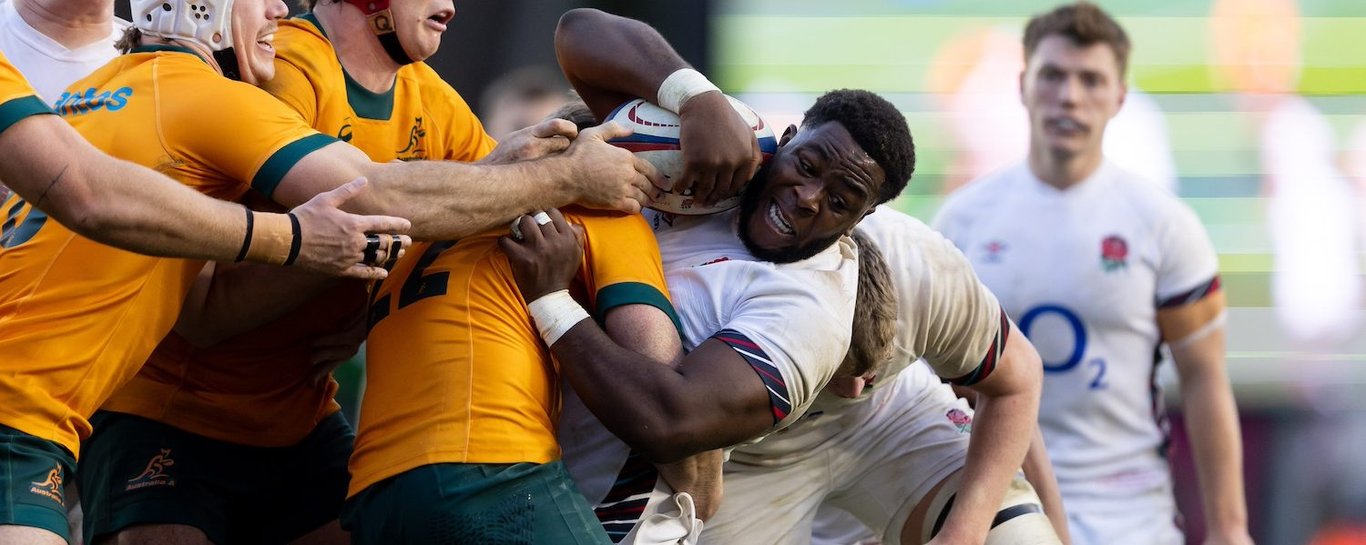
33,473
140,471
504,504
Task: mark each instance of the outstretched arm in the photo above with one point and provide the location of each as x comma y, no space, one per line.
1006,415
449,200
1196,336
119,203
610,60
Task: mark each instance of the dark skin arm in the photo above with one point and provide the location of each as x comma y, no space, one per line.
610,60
651,406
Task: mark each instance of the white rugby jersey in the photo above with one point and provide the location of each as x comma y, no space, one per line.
49,66
790,322
944,315
1082,272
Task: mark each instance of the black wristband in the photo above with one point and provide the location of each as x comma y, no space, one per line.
297,242
246,241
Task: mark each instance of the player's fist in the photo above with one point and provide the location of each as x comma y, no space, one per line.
544,251
720,151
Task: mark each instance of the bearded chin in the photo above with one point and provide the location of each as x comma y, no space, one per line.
749,205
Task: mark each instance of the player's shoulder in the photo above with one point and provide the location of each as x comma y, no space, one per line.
301,41
1150,200
899,234
437,94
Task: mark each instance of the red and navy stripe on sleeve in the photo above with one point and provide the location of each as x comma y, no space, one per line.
625,502
778,394
1199,292
998,346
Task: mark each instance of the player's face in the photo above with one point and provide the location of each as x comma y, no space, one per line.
818,185
253,37
420,23
1071,92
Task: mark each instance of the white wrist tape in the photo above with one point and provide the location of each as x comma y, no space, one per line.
1210,327
682,85
555,313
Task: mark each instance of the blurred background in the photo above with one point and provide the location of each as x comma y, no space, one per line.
1252,111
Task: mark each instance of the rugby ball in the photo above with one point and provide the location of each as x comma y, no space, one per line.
656,140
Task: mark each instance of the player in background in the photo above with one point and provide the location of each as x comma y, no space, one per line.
250,396
172,84
742,274
1100,269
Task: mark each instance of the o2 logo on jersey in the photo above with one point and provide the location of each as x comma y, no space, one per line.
1078,353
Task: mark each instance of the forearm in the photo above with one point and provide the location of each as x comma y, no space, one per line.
638,399
447,200
167,219
1001,432
700,476
112,201
1212,420
1038,471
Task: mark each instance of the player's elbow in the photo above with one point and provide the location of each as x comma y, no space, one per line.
84,214
578,21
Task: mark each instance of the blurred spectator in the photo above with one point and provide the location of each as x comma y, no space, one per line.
975,77
1311,207
521,98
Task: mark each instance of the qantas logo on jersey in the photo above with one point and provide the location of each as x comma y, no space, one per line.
1114,253
92,99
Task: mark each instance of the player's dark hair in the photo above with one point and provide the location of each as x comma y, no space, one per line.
875,306
1084,23
575,111
877,126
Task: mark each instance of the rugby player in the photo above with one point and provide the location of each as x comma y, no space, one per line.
808,196
1140,273
171,91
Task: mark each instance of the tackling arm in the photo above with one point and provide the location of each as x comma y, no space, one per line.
1195,334
648,331
119,203
449,200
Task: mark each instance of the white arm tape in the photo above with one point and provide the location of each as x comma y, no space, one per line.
682,85
555,313
1215,324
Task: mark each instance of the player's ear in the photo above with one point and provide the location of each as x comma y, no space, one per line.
788,133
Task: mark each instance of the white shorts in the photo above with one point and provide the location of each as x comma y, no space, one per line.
1148,519
875,459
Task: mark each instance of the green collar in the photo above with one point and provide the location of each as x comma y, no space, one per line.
366,103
